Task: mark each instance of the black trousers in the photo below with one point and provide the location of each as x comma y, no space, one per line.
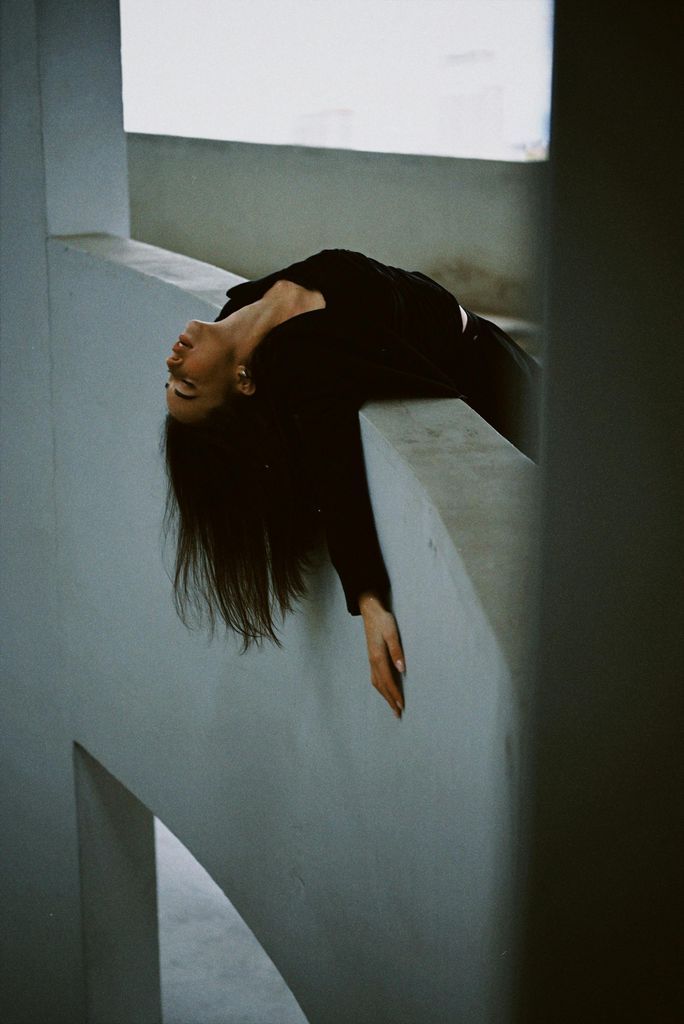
501,382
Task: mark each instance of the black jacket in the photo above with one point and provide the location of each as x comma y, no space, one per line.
385,333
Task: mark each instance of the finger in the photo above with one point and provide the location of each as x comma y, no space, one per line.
396,711
390,683
395,695
395,650
397,656
379,687
383,677
387,687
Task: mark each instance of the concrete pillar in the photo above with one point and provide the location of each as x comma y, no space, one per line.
84,144
60,85
118,885
605,859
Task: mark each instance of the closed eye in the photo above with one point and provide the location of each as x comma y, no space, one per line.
188,383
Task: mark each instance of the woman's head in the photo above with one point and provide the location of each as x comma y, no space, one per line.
210,362
208,365
243,521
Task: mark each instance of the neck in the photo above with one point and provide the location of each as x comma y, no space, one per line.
249,325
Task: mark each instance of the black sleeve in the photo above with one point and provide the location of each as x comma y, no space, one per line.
318,387
309,272
349,280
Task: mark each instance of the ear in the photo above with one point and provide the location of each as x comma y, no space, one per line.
245,382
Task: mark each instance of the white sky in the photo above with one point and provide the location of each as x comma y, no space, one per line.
443,77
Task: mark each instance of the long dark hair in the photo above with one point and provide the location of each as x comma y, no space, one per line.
238,509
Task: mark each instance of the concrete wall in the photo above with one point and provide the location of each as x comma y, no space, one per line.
372,859
477,226
41,931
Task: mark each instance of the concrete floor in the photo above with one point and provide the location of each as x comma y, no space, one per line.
213,970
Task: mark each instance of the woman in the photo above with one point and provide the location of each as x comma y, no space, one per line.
263,444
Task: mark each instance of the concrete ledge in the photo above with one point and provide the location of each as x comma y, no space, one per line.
197,279
481,492
479,485
208,282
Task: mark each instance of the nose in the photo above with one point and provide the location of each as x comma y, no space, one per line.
173,361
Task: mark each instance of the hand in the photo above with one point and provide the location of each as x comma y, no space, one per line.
384,649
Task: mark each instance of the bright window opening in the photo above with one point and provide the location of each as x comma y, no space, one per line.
466,78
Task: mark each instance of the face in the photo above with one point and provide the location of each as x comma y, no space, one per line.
203,370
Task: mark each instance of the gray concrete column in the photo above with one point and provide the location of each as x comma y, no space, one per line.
84,145
41,930
605,870
63,169
118,885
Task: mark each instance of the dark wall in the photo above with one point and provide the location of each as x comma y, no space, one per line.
604,872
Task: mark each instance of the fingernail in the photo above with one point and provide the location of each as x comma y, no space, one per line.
400,664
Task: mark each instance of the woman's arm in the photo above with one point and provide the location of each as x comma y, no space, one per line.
384,649
320,390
